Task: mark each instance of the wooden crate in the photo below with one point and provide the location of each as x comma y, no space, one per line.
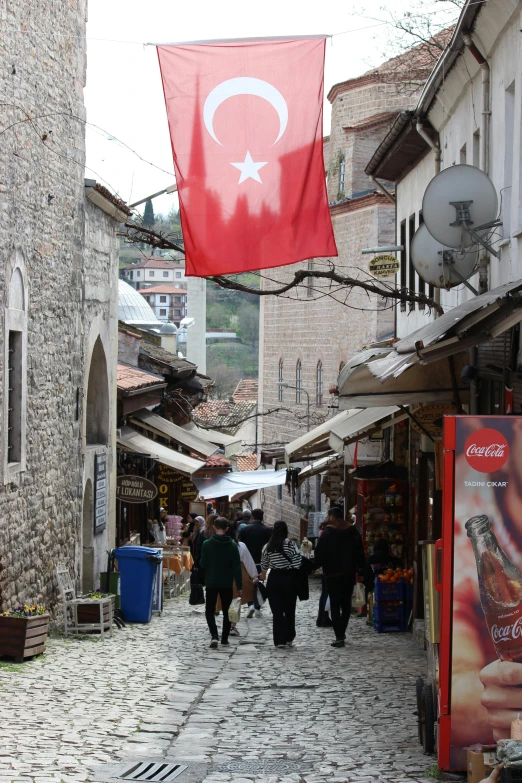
23,637
90,613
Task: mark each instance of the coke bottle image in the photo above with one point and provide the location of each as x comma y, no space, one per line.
500,584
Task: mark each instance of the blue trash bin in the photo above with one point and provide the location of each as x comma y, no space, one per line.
137,566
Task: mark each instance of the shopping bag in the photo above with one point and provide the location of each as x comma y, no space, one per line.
358,596
260,593
197,595
234,611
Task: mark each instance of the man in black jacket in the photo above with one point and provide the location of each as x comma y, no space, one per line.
339,552
255,535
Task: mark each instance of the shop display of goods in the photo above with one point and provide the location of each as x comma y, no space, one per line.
397,575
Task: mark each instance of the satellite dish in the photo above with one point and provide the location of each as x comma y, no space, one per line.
458,202
438,265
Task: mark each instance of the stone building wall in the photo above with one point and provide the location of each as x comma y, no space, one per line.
100,324
42,230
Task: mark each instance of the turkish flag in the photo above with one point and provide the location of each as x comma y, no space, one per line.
245,121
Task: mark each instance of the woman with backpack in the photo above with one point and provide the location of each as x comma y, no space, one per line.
282,559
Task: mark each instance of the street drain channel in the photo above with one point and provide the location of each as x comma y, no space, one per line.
151,771
262,766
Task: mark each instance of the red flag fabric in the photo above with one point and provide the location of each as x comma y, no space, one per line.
245,121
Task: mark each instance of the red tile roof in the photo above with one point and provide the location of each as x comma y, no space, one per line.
162,289
130,378
415,64
247,461
246,390
223,415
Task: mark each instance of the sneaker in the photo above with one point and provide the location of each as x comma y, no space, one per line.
214,643
225,643
234,632
251,612
281,646
338,643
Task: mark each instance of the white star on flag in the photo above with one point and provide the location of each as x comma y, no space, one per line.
249,169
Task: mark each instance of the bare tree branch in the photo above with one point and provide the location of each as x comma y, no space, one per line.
332,275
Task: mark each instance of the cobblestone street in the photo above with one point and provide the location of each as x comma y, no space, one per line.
249,712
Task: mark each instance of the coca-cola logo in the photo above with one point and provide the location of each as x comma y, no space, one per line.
507,632
486,450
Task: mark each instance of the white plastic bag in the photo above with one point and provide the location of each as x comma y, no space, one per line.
234,611
358,596
327,605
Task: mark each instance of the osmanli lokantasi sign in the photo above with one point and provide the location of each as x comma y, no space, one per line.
135,489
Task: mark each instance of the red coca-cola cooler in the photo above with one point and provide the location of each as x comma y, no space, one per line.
480,581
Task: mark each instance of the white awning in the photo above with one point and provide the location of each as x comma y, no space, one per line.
315,441
363,421
230,484
230,443
159,425
319,466
132,440
415,370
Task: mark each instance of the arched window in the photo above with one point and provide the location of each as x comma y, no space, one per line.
298,382
342,176
319,384
97,418
280,378
15,364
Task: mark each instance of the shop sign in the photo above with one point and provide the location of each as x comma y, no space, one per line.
429,417
135,489
100,491
384,266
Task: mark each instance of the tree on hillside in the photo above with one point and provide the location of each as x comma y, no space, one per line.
148,215
249,325
225,380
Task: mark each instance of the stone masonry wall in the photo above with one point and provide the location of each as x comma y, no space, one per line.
42,223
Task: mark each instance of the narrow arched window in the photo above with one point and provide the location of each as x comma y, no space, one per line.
319,384
15,364
298,382
280,379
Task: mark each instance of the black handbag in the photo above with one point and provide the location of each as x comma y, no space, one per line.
300,576
197,595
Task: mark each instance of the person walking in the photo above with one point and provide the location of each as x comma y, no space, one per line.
250,577
222,566
255,535
282,559
340,553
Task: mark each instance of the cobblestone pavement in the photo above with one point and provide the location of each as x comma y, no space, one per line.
310,714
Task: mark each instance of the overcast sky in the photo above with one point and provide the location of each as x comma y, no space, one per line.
124,95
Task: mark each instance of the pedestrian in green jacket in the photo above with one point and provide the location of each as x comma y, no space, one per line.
222,566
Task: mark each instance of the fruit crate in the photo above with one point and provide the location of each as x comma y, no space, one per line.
383,628
386,614
386,591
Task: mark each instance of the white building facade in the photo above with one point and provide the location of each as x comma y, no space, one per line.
154,271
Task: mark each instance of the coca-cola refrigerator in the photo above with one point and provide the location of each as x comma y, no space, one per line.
480,582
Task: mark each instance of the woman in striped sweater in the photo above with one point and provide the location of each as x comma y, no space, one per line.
282,558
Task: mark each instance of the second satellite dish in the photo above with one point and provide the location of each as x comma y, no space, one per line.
459,196
437,265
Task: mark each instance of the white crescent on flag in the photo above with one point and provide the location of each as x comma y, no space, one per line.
244,85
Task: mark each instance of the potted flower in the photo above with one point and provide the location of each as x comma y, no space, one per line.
23,631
